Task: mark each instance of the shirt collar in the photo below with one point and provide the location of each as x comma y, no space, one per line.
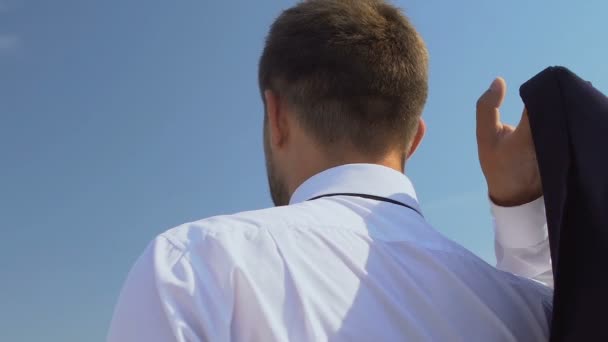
368,179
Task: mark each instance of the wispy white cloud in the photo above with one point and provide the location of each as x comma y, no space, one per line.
8,42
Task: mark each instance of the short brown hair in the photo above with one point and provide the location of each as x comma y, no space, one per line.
355,71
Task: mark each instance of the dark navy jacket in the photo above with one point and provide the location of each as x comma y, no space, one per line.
569,121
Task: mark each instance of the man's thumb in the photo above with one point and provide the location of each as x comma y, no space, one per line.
488,114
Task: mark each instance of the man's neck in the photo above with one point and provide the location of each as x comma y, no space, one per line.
394,161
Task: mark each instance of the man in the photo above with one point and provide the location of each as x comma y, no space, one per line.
347,254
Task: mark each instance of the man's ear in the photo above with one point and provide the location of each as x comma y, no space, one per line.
420,131
277,118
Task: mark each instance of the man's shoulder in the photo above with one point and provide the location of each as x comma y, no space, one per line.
248,225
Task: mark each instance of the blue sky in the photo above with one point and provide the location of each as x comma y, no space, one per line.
121,119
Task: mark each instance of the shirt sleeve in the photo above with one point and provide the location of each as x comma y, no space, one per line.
522,241
158,301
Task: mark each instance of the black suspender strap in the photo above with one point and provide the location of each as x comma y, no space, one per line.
372,197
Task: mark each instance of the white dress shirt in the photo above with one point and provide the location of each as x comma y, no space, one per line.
522,241
341,268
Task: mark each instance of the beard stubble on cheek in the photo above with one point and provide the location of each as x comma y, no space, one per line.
278,190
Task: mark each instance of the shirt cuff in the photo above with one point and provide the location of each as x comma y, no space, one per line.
521,226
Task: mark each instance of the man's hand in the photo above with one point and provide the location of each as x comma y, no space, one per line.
506,153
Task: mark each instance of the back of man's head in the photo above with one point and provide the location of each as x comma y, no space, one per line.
354,71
